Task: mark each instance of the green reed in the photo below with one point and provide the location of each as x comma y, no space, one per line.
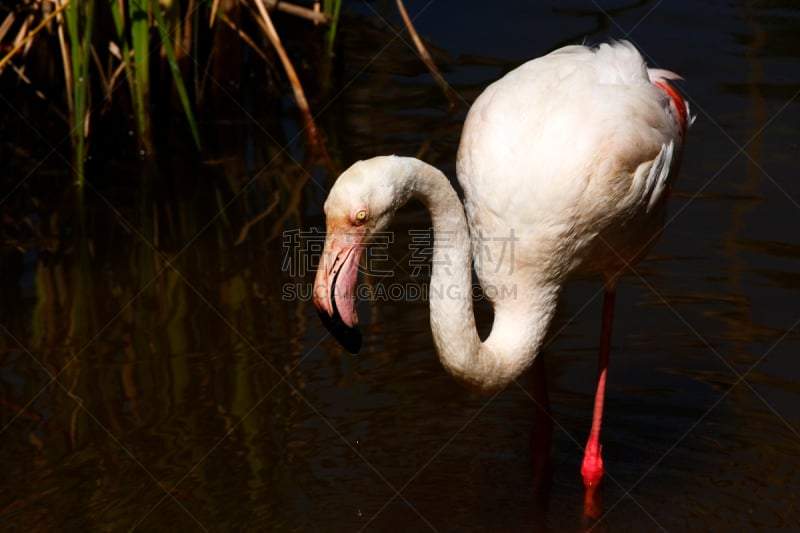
169,51
80,22
332,8
133,21
96,67
136,63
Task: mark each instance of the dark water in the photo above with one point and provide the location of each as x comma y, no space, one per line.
157,376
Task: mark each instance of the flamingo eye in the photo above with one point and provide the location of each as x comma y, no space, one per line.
360,216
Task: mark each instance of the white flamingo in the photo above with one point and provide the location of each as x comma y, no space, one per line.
566,164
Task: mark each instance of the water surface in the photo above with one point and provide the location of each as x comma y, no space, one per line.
155,375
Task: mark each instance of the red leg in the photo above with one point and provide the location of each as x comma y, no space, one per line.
592,468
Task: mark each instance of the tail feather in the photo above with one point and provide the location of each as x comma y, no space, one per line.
662,74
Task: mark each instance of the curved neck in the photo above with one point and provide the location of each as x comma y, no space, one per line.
523,310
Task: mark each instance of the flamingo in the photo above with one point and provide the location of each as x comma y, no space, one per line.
565,164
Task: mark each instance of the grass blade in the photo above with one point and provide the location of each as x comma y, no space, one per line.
80,21
140,37
332,8
169,51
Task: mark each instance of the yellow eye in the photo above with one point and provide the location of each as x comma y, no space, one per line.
360,217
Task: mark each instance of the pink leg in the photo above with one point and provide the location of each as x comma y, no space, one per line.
592,468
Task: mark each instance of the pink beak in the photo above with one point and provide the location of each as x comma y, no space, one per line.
335,286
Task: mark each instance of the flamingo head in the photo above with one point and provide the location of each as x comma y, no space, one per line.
360,204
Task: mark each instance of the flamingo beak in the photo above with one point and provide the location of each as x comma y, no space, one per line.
335,285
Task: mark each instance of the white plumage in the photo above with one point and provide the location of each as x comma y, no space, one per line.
566,164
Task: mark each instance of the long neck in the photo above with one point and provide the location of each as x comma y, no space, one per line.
522,312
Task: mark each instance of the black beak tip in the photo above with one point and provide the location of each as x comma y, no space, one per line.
349,338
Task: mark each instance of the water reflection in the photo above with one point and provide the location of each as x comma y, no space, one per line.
154,376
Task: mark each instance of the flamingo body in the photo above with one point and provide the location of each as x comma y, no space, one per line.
566,164
574,153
